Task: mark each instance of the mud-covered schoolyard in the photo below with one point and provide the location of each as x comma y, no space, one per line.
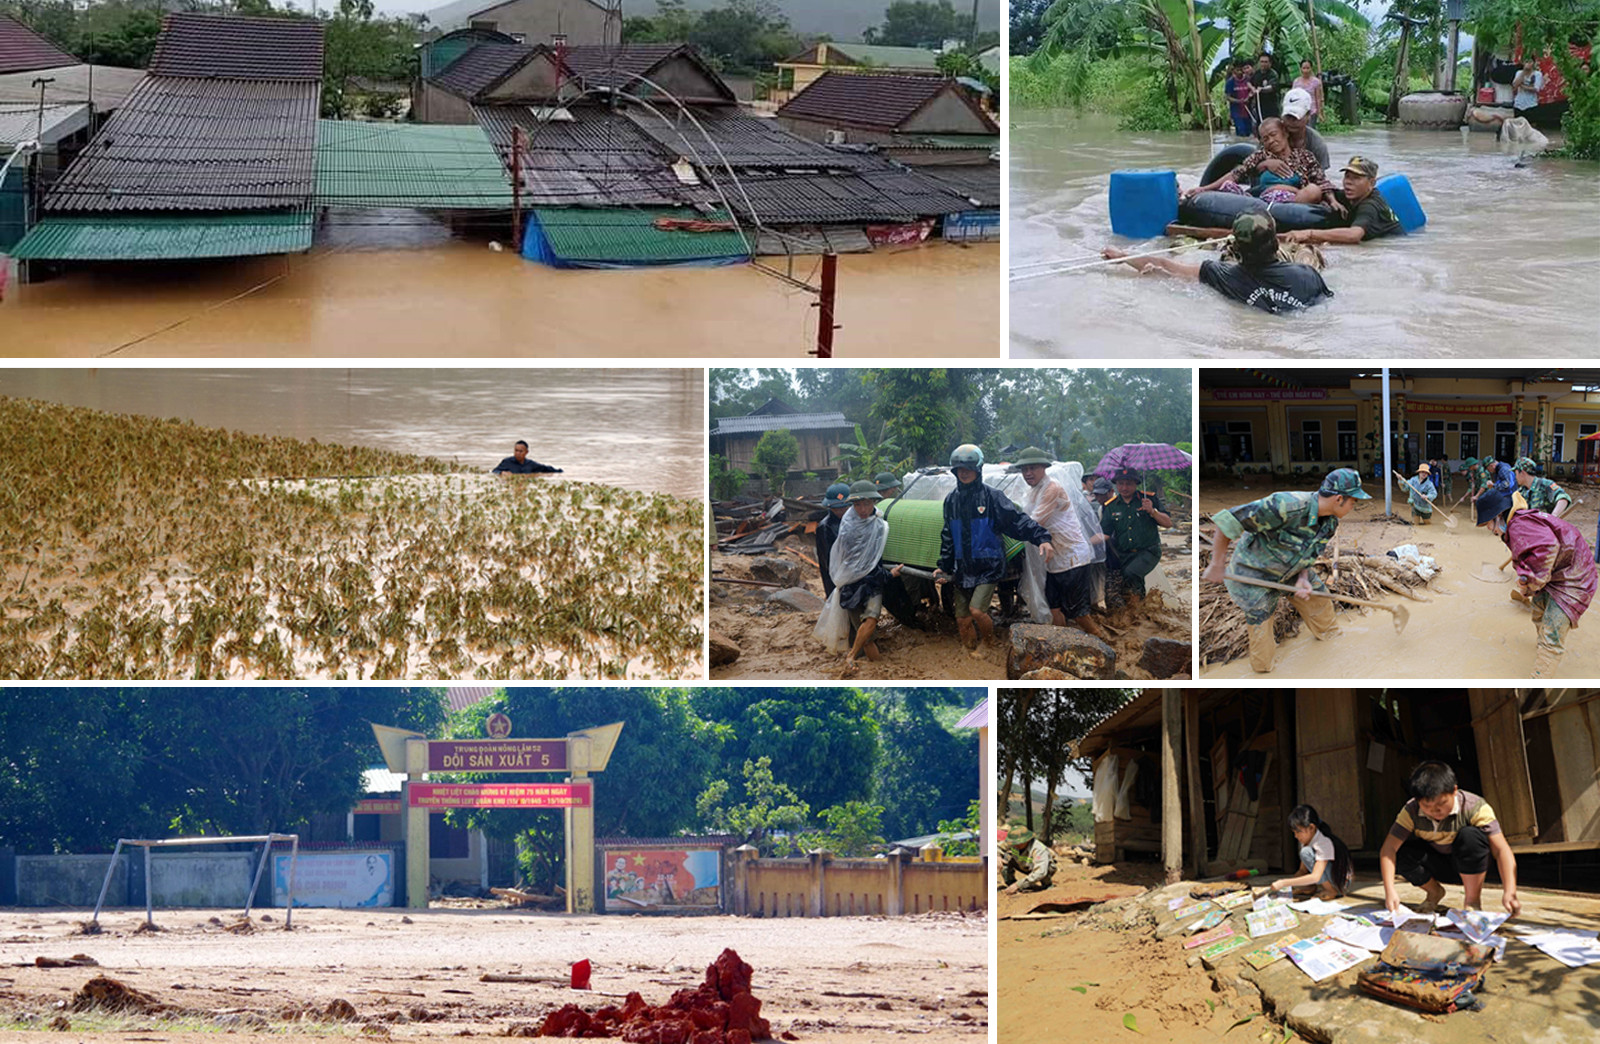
421,974
1465,608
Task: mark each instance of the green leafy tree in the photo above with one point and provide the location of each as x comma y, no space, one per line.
1037,728
726,482
862,459
775,452
360,46
1551,27
744,36
672,23
854,830
764,812
823,740
931,409
118,33
921,23
926,770
969,824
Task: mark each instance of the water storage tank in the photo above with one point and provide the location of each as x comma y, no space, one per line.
1143,202
1396,191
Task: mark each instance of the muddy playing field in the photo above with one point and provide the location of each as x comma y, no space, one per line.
422,974
1466,609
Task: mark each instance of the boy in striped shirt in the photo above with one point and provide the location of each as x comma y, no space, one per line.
1446,835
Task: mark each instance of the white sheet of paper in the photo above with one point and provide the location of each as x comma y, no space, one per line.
1575,948
1323,960
1348,930
1477,925
1317,907
1402,914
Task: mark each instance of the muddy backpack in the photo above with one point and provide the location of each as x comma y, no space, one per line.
1428,973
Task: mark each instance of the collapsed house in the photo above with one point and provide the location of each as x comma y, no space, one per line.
1242,758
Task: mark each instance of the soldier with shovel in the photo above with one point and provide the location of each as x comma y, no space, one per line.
1276,539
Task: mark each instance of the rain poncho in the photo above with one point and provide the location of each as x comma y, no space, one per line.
854,563
1552,554
1049,504
976,516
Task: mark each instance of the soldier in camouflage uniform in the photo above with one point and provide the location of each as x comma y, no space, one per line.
1476,477
1026,863
1278,538
1542,494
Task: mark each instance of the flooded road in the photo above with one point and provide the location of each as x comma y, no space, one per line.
640,429
1508,264
412,288
1469,628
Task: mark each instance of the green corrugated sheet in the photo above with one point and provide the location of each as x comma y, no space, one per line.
628,235
914,530
408,165
165,237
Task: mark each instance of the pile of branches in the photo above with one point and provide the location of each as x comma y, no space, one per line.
1224,635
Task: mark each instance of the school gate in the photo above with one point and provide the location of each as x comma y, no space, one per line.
577,755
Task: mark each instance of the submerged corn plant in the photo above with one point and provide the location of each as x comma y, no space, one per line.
211,554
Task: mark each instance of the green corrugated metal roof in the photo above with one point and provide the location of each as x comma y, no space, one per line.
629,235
914,531
163,237
409,165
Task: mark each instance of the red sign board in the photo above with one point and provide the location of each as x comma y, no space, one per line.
500,795
1267,394
509,755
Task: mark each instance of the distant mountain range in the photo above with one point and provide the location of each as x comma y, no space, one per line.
840,19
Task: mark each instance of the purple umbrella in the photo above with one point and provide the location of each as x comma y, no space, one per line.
1146,456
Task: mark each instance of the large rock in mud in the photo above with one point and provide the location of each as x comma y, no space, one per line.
1066,649
1164,658
796,598
775,570
723,651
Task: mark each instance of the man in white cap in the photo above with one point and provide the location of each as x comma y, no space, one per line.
1297,108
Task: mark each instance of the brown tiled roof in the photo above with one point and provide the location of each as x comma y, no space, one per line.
481,67
229,47
865,99
23,50
182,144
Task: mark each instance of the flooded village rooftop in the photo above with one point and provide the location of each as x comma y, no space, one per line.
604,188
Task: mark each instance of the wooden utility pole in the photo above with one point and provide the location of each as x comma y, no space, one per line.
1171,812
1197,809
825,302
1316,52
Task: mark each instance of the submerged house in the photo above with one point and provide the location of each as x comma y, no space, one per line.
641,154
1245,757
211,155
50,105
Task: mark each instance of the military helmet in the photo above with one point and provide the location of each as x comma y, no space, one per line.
967,455
1031,455
836,495
886,480
866,489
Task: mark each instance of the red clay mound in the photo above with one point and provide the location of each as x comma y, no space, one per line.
721,1010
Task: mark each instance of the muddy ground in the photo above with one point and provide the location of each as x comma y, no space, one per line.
1499,633
776,642
417,975
1090,970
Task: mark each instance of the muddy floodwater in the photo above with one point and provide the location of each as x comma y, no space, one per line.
1468,627
638,429
1508,265
408,286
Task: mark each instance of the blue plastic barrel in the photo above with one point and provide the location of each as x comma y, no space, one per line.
1396,191
1143,202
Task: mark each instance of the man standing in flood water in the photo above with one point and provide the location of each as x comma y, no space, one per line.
519,464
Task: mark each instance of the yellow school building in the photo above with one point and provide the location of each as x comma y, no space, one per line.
1309,421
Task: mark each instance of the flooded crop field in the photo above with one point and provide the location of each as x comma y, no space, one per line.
638,429
1507,265
416,289
136,548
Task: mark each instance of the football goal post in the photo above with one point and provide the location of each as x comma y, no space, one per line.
266,841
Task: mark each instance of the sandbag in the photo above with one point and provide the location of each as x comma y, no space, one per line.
1218,209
